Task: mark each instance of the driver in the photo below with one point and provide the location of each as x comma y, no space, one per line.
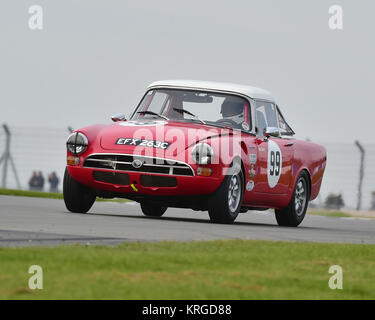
232,110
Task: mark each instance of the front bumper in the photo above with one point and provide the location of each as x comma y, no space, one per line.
186,185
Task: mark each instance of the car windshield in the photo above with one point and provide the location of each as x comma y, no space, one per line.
211,108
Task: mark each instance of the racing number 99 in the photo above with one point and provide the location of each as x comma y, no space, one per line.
275,163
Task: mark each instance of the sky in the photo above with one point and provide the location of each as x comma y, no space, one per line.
95,58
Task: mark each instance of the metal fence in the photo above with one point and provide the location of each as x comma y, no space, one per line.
34,149
343,173
43,149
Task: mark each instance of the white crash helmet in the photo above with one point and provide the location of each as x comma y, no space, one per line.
232,109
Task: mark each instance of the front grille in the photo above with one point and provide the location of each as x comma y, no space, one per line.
112,177
158,181
121,162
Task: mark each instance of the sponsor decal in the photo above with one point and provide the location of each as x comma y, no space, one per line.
253,158
274,163
252,172
143,143
250,185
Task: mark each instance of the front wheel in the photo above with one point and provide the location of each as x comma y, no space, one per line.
225,204
293,214
77,197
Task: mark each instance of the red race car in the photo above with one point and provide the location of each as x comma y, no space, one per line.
219,147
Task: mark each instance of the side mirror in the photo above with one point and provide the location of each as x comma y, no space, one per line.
118,117
271,132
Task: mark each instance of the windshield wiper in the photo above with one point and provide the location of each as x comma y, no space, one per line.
153,113
189,113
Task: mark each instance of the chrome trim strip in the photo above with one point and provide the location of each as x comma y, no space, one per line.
135,155
144,164
145,172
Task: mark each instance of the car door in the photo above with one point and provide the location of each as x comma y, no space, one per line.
274,154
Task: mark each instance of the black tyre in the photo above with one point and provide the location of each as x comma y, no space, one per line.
77,197
151,210
225,204
293,214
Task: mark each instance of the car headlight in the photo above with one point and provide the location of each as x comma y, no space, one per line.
202,153
77,143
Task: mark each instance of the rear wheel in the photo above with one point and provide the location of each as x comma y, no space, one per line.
293,214
225,204
151,210
77,197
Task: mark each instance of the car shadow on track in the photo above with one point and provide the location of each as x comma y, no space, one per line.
196,220
206,221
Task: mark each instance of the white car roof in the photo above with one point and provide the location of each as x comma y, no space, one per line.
252,92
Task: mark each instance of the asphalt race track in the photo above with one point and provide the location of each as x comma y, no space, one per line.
36,221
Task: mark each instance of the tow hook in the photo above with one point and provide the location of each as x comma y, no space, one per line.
134,187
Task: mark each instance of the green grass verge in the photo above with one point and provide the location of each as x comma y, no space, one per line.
27,193
329,213
233,269
41,194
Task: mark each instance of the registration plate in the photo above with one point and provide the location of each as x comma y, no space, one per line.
143,143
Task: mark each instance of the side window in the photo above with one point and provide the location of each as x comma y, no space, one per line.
285,130
265,116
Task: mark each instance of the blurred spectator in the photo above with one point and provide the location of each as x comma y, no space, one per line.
54,182
33,182
334,201
40,180
36,181
373,201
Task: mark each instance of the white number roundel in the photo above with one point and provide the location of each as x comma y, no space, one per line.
274,163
